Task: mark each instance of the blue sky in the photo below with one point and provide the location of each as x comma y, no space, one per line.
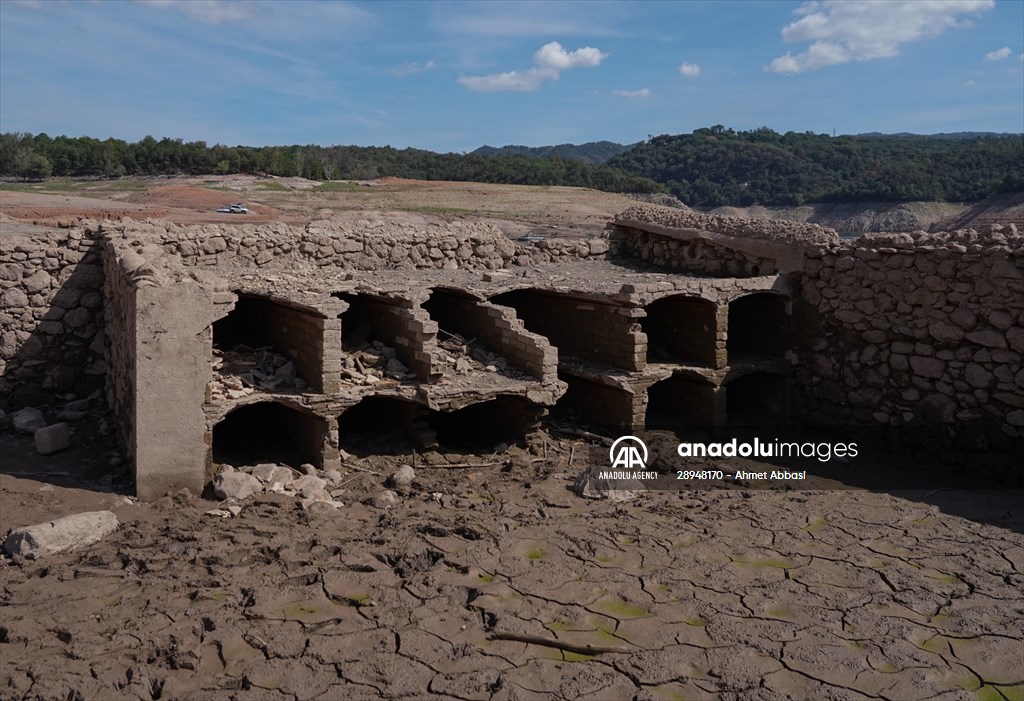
452,76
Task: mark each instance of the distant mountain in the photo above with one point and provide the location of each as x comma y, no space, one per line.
592,152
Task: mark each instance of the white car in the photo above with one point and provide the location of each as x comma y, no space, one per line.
234,209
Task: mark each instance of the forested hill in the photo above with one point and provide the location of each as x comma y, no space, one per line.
592,152
40,156
710,167
719,166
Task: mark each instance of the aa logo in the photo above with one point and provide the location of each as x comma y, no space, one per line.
628,452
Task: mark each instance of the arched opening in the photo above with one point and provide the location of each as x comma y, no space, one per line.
597,404
760,398
267,345
589,329
758,327
269,432
681,330
380,426
681,402
478,428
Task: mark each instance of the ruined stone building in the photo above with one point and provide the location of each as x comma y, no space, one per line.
276,342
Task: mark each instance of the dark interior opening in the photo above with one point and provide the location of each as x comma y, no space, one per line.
481,427
360,325
595,404
757,399
758,326
283,333
246,324
680,330
443,307
679,402
268,432
379,426
533,308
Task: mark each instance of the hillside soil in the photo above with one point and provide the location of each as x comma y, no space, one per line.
521,208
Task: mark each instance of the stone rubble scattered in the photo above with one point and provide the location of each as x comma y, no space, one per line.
243,370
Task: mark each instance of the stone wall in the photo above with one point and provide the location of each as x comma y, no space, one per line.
372,243
51,316
163,363
910,329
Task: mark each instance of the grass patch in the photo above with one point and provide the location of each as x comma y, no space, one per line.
272,185
336,186
536,554
621,609
485,577
696,622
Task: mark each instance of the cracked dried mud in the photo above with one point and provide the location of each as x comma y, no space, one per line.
500,583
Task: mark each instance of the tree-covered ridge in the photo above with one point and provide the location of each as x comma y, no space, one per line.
591,152
40,156
719,166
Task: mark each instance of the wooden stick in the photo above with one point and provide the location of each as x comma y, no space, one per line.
464,464
585,434
363,469
561,645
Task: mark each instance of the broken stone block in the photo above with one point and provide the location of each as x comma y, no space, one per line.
68,533
286,373
268,473
385,499
310,487
52,439
402,477
236,485
28,420
589,487
395,368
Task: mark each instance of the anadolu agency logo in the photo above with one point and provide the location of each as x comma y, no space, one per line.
628,457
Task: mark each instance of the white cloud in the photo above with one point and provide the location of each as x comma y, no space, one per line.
554,56
690,70
642,92
519,81
863,30
413,68
999,54
550,60
210,11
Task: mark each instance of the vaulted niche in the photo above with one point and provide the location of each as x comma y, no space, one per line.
583,328
269,432
758,327
679,402
379,426
478,428
680,329
760,398
286,333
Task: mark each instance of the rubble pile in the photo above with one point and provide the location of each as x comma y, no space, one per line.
243,370
372,363
467,356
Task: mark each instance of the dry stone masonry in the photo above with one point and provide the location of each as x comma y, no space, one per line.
255,345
